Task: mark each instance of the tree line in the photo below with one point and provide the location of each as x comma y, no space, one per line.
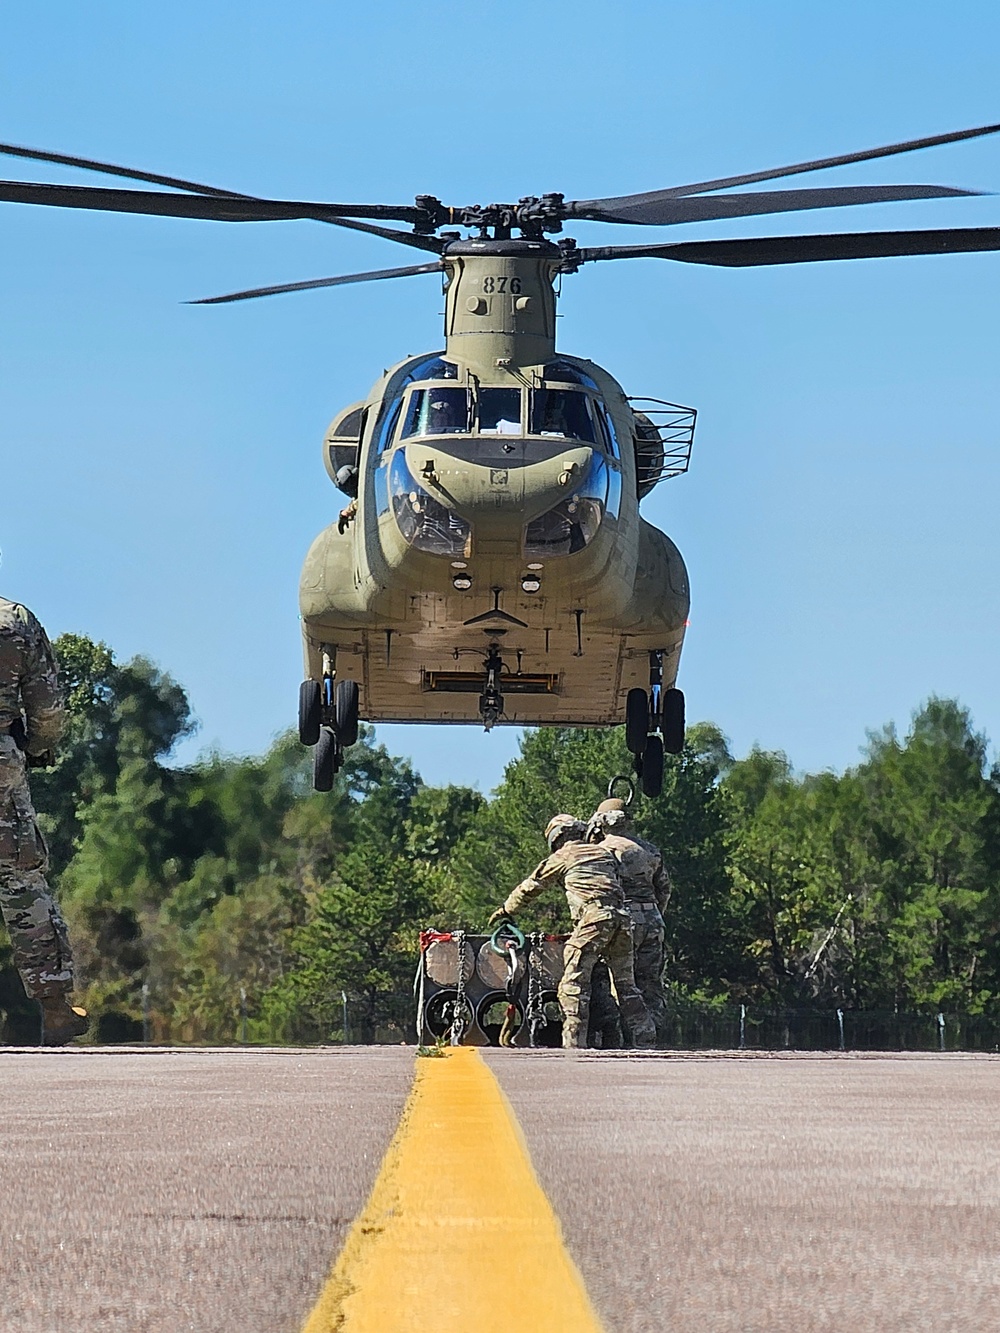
227,898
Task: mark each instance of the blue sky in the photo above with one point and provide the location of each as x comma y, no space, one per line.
162,464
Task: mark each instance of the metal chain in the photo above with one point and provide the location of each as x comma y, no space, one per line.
535,1013
460,1011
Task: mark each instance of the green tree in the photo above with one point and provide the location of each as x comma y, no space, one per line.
361,939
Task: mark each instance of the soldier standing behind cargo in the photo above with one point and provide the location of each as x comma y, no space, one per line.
601,929
31,722
646,887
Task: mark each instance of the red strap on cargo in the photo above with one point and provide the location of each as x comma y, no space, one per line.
428,937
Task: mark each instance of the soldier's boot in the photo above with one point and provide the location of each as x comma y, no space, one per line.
61,1021
639,1025
574,1033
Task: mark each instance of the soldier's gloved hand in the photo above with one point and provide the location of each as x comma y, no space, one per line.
501,914
44,760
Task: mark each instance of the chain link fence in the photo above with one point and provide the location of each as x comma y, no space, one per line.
749,1027
690,1026
694,1027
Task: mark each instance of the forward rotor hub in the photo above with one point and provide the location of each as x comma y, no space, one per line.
532,216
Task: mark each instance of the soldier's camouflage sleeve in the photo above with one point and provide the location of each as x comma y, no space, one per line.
662,886
552,868
40,692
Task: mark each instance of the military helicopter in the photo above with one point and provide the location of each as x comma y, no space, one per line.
491,565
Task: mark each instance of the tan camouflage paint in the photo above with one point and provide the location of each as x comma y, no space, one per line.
29,688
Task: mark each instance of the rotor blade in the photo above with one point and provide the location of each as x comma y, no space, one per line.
109,169
177,183
761,250
654,209
729,182
413,238
320,282
216,207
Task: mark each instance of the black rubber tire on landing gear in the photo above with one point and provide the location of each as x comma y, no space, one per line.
672,725
636,720
327,759
652,767
345,702
310,711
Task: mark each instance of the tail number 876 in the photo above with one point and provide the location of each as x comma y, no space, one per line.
502,284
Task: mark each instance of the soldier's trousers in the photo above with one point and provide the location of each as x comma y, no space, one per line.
647,964
647,959
34,923
610,939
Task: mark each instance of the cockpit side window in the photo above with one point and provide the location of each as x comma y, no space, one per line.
608,425
562,413
500,412
386,427
437,411
430,368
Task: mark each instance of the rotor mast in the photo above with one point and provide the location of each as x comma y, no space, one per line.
500,304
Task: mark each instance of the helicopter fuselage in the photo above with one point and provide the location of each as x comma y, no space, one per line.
497,510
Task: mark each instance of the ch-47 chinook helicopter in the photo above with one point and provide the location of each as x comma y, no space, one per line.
492,565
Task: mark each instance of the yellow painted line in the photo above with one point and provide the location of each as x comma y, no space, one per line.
457,1233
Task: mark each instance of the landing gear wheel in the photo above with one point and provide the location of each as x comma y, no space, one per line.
310,711
652,767
346,709
327,759
636,720
672,725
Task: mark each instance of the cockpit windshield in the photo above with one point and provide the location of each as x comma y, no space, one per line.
437,411
561,413
500,411
552,413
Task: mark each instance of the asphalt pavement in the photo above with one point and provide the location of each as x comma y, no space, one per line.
765,1194
155,1191
160,1191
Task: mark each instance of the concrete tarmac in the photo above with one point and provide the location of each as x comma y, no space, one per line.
766,1194
159,1191
155,1191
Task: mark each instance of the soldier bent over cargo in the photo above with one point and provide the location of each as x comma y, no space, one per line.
31,720
601,929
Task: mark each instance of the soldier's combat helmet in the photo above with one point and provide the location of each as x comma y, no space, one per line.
610,815
562,826
612,803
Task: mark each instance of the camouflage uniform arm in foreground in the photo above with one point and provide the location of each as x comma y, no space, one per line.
29,694
29,679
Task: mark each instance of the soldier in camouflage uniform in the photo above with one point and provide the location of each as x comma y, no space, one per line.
601,929
31,720
646,887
